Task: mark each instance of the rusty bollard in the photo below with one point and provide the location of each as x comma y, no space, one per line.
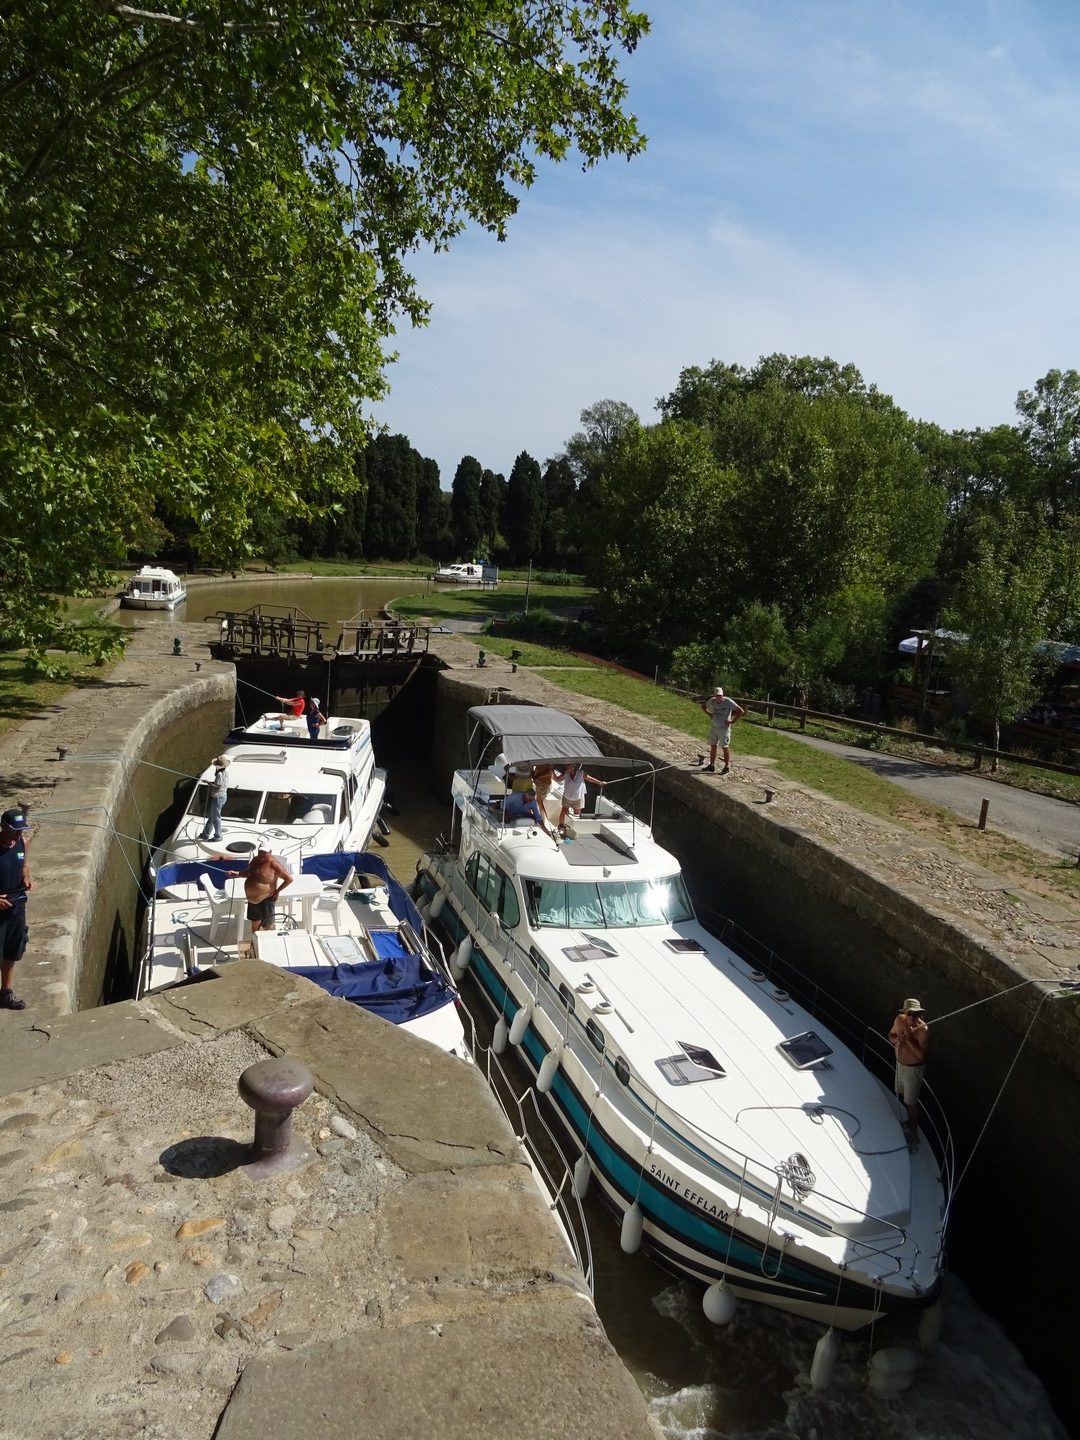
273,1089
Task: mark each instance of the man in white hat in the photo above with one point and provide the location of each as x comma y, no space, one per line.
909,1037
723,712
264,880
219,789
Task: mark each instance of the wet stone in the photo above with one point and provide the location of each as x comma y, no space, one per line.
181,1329
220,1287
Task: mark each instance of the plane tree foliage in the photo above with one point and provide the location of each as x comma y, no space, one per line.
207,212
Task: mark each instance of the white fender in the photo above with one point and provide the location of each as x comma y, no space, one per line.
719,1303
438,900
498,1039
549,1068
520,1024
824,1361
892,1370
462,956
630,1235
582,1176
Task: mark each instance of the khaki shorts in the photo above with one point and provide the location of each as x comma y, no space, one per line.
720,735
908,1082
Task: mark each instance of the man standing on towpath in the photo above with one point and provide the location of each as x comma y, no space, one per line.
723,712
14,885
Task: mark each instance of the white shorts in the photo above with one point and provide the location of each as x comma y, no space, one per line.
720,735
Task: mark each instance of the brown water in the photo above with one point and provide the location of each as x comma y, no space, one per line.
335,600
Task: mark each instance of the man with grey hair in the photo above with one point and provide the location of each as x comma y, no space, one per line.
723,712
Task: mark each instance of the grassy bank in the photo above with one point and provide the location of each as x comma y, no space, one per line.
446,602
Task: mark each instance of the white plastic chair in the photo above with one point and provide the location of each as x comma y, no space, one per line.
334,900
220,909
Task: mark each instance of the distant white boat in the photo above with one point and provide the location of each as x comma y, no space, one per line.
474,572
153,589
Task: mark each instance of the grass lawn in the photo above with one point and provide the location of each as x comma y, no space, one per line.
445,602
535,655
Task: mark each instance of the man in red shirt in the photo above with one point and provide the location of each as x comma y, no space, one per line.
909,1037
297,703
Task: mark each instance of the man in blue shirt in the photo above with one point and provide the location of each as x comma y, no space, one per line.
522,805
14,884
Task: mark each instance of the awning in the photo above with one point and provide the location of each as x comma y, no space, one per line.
534,732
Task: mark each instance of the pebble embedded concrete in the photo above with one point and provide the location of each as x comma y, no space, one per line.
142,1273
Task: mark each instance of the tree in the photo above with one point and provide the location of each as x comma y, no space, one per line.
205,215
468,517
433,534
559,547
525,510
492,510
1050,428
1000,609
589,449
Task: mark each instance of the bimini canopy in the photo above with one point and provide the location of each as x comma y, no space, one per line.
532,733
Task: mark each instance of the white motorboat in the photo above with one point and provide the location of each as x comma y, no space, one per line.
309,796
345,922
473,572
738,1137
153,589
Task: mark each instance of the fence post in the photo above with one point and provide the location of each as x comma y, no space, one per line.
978,758
984,808
802,719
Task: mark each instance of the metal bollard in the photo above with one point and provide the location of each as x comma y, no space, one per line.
984,809
273,1089
769,796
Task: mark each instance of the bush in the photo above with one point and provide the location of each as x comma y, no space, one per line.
834,698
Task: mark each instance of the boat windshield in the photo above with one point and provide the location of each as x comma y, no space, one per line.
609,904
286,807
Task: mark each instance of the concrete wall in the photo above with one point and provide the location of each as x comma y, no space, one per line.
870,942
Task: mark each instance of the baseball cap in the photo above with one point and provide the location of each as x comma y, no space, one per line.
911,1007
14,820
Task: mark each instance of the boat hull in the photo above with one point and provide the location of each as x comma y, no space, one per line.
136,602
689,1233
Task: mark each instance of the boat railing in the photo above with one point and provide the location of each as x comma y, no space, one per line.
870,1045
754,1179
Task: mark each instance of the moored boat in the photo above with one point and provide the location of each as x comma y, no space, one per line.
153,588
472,572
308,795
738,1138
346,923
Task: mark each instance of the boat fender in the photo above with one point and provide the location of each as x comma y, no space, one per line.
548,1070
582,1176
383,826
719,1303
379,839
520,1024
824,1362
892,1370
630,1235
462,956
498,1039
437,903
930,1323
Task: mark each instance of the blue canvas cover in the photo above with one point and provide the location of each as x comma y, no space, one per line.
397,989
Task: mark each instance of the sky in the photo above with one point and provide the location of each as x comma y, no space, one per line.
892,183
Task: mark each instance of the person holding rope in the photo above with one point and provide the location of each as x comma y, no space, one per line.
573,777
294,704
910,1037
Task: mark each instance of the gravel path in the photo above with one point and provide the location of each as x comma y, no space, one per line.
1039,820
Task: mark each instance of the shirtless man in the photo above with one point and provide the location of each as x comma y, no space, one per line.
264,880
909,1037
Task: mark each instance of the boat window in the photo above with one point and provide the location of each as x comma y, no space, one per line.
509,908
493,888
611,904
293,807
242,804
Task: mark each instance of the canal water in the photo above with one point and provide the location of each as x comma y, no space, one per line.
748,1381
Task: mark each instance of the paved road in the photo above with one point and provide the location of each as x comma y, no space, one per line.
1039,820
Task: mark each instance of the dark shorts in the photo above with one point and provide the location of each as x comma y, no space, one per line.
261,910
13,934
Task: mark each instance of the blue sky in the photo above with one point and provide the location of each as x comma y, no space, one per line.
892,184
